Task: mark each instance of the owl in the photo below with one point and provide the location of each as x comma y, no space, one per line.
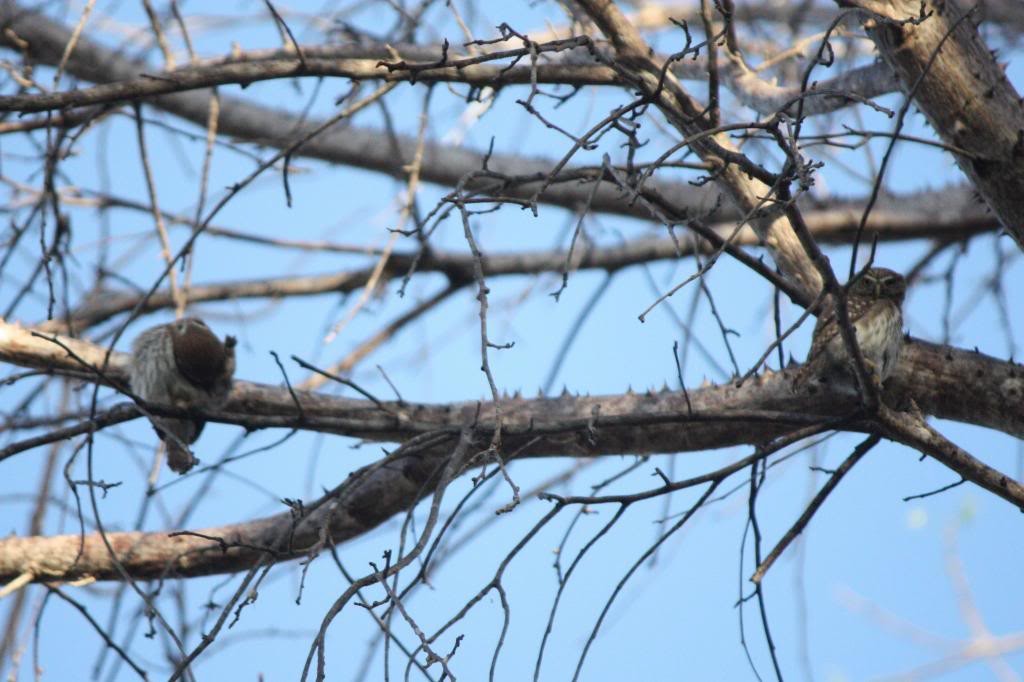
181,364
874,307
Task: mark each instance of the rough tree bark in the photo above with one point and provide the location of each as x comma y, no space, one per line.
957,82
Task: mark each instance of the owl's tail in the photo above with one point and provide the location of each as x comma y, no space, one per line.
179,458
176,435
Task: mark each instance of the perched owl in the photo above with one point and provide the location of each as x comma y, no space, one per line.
181,364
874,308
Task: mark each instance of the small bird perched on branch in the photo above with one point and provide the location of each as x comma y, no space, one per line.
181,364
874,306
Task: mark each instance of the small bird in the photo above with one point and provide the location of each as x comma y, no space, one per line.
181,364
874,306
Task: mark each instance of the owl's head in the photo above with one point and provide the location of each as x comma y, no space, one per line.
193,331
879,283
189,325
200,356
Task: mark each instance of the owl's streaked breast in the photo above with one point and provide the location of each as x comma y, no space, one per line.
879,335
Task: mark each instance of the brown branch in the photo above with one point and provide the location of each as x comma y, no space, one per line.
155,84
369,497
736,175
911,429
949,215
945,382
962,91
813,507
367,149
365,62
721,415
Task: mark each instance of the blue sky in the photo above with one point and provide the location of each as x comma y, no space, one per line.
870,590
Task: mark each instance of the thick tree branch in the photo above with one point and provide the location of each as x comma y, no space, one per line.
747,193
366,499
963,92
947,382
943,381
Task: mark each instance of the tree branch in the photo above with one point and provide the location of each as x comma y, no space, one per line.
949,215
746,192
943,381
963,92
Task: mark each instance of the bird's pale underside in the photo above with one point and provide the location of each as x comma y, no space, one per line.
181,364
874,307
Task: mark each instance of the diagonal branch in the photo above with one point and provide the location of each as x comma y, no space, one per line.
961,89
812,507
735,174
